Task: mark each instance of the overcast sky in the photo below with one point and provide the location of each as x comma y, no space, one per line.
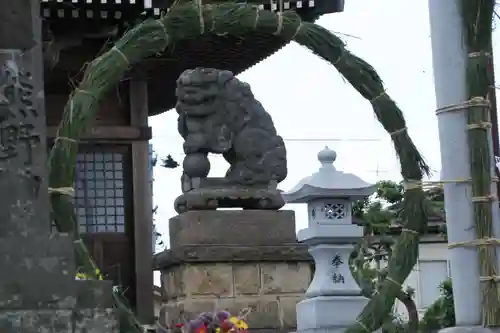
315,103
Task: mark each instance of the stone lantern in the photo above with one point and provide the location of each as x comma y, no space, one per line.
333,299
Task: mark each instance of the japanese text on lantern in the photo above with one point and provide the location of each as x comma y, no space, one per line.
337,277
17,114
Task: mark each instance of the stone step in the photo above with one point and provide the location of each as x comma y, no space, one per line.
37,272
36,321
59,321
92,311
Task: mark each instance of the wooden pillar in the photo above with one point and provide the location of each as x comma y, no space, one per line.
143,207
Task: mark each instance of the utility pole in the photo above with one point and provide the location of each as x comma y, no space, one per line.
449,57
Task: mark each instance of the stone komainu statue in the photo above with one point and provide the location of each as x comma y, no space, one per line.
219,114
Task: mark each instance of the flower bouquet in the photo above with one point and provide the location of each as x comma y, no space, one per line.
217,322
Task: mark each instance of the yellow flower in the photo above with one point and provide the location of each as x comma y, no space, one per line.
239,323
84,276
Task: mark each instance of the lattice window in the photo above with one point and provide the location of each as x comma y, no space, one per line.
99,195
334,211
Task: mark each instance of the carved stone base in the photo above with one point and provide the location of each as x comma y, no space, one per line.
230,197
232,227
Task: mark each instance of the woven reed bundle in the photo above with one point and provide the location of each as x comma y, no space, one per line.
477,16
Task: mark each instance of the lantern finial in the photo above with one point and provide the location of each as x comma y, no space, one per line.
327,156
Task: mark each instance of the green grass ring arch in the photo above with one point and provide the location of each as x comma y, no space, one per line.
184,21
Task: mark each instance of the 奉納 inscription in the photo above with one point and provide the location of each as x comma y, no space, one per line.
337,261
337,277
16,89
17,114
13,137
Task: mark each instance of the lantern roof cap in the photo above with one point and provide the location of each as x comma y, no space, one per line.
328,182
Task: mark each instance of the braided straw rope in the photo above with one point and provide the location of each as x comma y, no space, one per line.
410,184
471,105
65,138
467,105
374,99
68,191
488,241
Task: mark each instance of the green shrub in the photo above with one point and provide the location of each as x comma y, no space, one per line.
441,313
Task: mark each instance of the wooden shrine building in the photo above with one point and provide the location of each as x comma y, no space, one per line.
113,193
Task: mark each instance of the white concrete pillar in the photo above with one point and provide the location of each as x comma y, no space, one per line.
449,57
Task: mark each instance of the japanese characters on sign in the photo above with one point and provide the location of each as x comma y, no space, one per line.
13,136
17,114
337,261
337,276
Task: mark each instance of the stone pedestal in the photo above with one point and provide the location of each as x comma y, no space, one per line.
232,227
234,259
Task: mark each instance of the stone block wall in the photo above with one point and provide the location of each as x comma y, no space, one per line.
210,267
271,289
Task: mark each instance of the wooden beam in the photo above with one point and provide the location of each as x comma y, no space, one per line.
111,133
143,206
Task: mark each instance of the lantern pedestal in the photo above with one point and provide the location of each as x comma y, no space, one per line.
329,314
330,246
332,276
333,298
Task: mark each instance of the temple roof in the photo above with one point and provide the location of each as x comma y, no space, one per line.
81,38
